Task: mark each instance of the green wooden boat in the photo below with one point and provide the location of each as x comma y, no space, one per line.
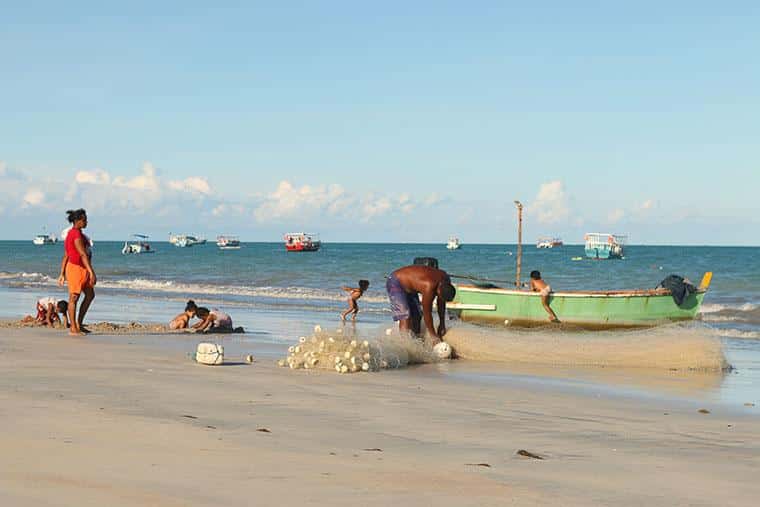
590,310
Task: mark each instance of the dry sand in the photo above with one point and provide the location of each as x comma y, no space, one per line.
113,422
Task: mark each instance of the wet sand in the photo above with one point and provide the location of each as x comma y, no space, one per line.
116,422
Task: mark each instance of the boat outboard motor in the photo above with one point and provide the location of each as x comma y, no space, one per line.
430,262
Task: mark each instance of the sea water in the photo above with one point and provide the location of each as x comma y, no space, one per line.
278,296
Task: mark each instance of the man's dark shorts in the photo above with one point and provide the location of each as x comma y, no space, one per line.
403,304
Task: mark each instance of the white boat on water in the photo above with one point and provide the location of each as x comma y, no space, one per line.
549,242
186,240
139,245
453,243
44,239
228,242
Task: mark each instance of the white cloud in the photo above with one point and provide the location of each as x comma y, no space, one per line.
146,181
551,204
375,207
290,201
34,197
330,201
94,177
615,216
432,199
193,185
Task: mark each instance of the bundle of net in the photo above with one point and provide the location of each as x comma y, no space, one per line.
349,353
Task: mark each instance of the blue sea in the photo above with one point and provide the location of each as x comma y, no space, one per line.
278,295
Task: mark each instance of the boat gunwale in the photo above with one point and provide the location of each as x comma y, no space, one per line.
575,294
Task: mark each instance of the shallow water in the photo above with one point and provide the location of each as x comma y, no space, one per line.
278,297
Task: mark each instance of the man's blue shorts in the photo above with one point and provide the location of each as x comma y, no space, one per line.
403,304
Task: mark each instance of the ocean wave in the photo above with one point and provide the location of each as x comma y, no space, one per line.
174,287
746,313
739,333
714,308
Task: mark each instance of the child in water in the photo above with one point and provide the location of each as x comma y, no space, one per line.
182,321
354,294
543,288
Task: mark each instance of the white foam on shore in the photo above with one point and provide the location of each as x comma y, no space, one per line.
739,333
173,287
673,347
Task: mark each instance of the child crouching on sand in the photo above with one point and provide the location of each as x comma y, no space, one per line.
47,312
214,321
182,320
354,294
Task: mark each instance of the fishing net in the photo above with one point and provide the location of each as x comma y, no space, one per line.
347,352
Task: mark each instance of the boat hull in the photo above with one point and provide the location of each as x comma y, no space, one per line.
591,310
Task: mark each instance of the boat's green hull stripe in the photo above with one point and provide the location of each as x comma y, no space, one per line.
584,310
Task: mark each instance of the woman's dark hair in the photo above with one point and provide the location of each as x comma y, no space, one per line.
363,284
536,275
202,312
75,214
190,306
62,306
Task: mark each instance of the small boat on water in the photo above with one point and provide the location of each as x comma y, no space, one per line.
228,242
549,242
44,239
585,309
185,240
139,245
602,245
302,242
453,243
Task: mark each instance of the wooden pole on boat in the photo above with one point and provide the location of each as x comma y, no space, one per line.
519,242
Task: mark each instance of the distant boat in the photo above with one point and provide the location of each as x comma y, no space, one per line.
139,245
302,242
186,240
453,243
549,242
602,245
44,239
228,242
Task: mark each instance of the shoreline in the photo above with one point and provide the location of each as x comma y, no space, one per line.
118,422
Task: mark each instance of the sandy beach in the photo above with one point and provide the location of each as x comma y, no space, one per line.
113,421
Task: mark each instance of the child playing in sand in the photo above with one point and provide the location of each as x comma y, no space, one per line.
214,321
47,312
354,294
182,320
543,288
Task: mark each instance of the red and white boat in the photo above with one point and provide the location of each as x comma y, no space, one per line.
302,242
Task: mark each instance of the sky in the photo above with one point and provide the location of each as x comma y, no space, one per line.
388,122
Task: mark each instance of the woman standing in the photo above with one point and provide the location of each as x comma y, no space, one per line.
76,269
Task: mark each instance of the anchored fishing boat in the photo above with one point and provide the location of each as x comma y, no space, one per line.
185,240
139,245
587,309
302,242
228,242
453,243
548,242
601,245
44,239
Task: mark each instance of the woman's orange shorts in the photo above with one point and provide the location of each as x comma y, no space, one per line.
77,278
